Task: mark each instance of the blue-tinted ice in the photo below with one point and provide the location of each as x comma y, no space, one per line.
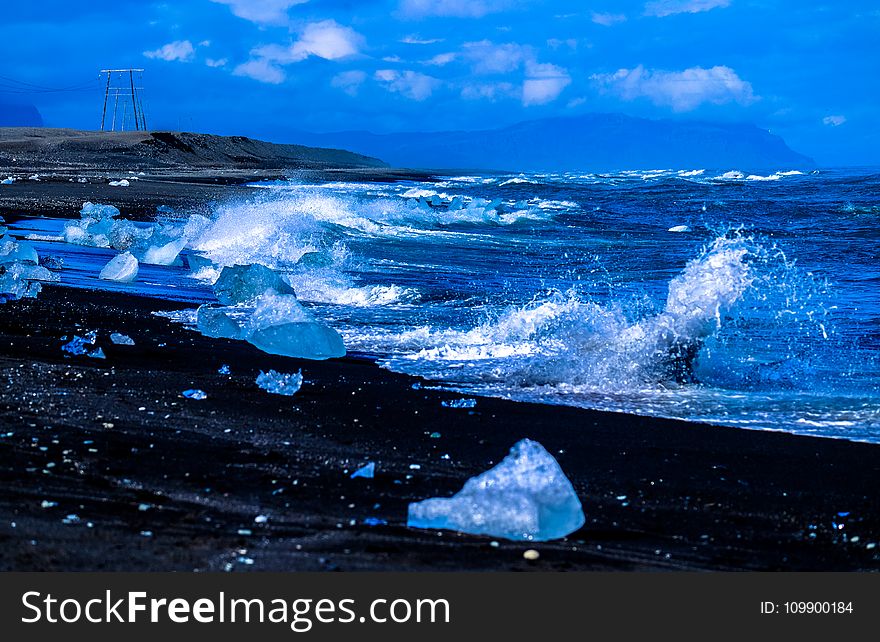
280,383
525,497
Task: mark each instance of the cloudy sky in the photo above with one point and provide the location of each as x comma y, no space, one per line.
805,70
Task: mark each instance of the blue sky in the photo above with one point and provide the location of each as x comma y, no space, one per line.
805,70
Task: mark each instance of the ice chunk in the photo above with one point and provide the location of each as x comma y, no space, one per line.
195,393
279,383
459,403
679,228
244,283
121,339
224,370
84,346
122,267
122,183
125,234
216,322
12,251
7,181
525,497
98,211
197,262
367,472
281,325
163,254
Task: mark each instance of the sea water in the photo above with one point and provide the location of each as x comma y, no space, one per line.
732,297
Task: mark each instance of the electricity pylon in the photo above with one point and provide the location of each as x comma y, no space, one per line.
121,83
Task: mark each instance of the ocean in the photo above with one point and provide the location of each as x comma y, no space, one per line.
740,299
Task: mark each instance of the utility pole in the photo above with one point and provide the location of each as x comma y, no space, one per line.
125,88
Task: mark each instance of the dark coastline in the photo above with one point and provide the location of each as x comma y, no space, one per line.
119,434
700,497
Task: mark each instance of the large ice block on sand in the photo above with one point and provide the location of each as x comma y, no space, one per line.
163,254
244,283
122,267
281,325
525,497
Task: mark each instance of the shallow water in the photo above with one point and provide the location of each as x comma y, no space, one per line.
570,289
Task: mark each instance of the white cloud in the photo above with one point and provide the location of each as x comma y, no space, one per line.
834,120
416,40
216,62
407,83
268,12
489,58
608,19
326,39
181,50
663,8
681,90
568,43
489,91
454,8
262,70
442,59
543,83
349,81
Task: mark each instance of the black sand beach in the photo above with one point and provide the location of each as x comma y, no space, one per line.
104,464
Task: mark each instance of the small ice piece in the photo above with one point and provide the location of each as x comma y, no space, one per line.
125,234
679,228
224,370
7,181
97,353
366,472
76,346
375,521
244,283
121,339
281,325
279,383
459,403
122,267
195,393
121,183
163,254
215,322
525,497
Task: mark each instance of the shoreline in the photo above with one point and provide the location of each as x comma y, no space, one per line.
104,464
166,487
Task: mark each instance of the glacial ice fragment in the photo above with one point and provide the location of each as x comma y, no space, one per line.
7,181
121,183
459,403
122,267
279,383
213,321
163,254
12,251
224,370
84,346
281,325
121,339
98,211
366,472
679,228
195,393
525,497
244,283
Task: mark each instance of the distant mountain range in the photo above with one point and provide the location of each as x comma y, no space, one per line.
593,142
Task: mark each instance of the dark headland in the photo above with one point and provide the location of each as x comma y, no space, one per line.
104,465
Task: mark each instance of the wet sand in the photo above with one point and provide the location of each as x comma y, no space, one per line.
160,482
104,465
